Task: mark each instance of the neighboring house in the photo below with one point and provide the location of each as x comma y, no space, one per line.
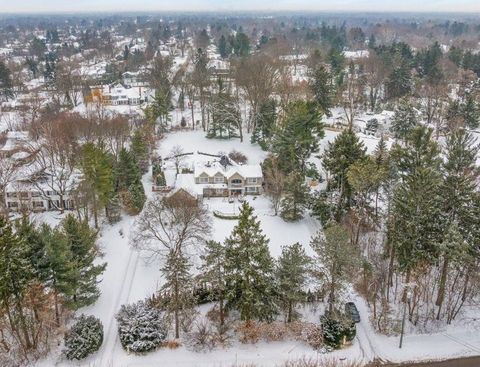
221,178
24,195
118,95
133,79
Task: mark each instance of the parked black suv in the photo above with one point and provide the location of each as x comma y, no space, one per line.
352,311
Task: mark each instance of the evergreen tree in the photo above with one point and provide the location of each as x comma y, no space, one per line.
322,88
399,82
337,260
178,287
345,150
249,269
264,123
295,199
416,222
213,273
241,46
6,85
226,119
298,136
470,112
139,149
404,119
127,170
84,337
222,47
129,182
292,269
98,174
58,265
81,240
459,191
15,277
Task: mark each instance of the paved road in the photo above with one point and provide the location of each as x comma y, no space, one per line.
463,362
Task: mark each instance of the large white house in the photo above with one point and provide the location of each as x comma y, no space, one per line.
118,95
221,177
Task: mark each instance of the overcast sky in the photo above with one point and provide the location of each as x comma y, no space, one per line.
28,6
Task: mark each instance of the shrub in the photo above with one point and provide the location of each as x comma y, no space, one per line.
141,327
238,157
202,337
249,332
337,330
85,337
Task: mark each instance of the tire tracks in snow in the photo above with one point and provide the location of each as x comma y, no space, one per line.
467,345
122,297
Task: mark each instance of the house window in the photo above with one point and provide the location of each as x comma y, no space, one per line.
11,194
24,195
219,179
35,194
252,180
252,189
203,180
37,204
12,204
236,181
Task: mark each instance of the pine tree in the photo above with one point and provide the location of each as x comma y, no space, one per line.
322,88
58,264
415,225
249,269
404,120
178,287
98,174
81,240
264,123
337,260
226,119
298,136
6,85
458,190
139,149
15,277
213,273
127,170
291,271
129,182
295,199
345,150
222,47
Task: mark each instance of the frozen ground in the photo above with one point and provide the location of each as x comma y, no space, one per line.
129,277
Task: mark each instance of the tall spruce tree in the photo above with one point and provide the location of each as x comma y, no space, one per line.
292,272
139,149
58,265
295,198
178,287
213,273
416,222
264,123
15,277
298,136
459,191
339,155
81,240
249,269
404,120
98,175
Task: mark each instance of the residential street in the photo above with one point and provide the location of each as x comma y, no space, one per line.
463,362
